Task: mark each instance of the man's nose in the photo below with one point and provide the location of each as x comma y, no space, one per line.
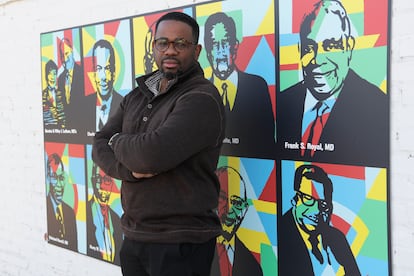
170,49
101,74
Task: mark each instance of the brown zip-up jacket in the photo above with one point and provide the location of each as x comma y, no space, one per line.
177,136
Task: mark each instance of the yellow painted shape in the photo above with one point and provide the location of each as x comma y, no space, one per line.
234,181
206,10
289,54
378,190
353,6
383,86
268,25
81,214
366,41
252,239
265,206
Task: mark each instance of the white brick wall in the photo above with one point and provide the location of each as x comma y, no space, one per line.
402,136
22,217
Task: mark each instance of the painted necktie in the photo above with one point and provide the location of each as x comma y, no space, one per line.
313,239
103,112
68,85
59,218
224,261
224,95
314,130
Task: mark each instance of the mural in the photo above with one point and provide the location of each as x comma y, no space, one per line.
62,85
65,186
305,160
107,59
103,212
334,220
247,211
239,58
327,89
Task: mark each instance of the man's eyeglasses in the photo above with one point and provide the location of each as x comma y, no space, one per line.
309,200
327,46
180,44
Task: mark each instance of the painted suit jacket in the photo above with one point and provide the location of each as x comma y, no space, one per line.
251,120
293,255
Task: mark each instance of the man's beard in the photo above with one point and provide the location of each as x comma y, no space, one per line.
170,75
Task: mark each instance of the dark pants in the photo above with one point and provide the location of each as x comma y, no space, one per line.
162,259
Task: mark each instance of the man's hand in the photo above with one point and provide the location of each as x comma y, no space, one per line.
142,175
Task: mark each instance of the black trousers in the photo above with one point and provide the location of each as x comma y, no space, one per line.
162,259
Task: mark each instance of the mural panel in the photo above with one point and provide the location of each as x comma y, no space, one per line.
304,167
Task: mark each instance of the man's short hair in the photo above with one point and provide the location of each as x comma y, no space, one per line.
104,44
55,158
313,172
182,17
229,25
326,6
50,65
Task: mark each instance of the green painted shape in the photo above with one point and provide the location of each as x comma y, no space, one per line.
371,64
288,78
374,214
268,260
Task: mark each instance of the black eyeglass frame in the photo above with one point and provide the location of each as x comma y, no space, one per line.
180,44
323,205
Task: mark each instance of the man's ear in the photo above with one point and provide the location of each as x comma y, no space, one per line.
236,46
234,49
350,42
198,48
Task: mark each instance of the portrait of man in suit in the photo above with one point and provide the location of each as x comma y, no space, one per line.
232,257
105,100
333,114
307,243
61,220
70,83
104,234
250,126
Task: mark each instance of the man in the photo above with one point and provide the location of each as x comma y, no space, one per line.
250,127
333,114
61,221
103,224
70,82
103,103
52,98
232,256
164,142
308,244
